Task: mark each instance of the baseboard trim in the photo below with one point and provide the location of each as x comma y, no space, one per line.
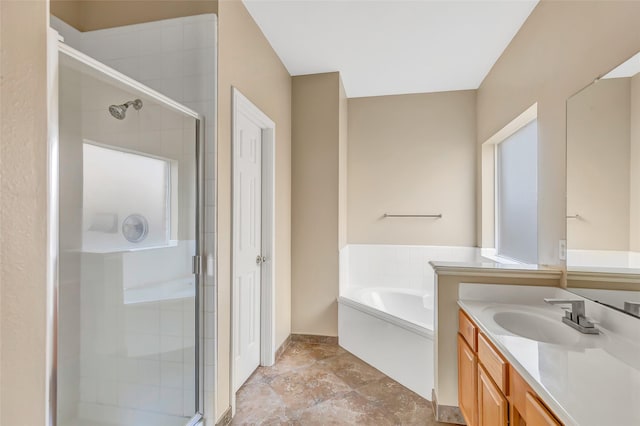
283,347
312,338
225,420
446,413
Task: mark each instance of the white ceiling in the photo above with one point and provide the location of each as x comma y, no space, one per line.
391,46
629,68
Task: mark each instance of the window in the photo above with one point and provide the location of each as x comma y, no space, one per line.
126,200
517,195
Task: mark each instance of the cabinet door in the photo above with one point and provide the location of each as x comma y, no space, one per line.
467,382
492,405
537,414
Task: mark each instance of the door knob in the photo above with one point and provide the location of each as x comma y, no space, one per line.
260,260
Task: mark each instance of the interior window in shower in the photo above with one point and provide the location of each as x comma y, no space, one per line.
126,200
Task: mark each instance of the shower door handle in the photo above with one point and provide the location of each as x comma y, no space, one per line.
196,265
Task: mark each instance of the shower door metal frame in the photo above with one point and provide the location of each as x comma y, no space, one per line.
55,47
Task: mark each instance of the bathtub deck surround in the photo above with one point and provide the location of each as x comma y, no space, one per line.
584,379
319,383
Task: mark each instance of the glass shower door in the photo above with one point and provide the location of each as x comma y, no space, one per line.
128,292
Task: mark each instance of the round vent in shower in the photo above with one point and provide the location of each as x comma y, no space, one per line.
135,228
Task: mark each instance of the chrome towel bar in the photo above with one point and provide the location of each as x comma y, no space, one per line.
575,216
413,215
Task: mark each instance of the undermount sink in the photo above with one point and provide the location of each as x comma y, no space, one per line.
537,327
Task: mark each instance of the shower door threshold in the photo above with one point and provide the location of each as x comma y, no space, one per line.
196,420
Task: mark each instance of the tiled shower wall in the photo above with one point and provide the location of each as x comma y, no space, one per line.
176,57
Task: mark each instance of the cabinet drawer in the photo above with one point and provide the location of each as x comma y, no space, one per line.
494,363
468,330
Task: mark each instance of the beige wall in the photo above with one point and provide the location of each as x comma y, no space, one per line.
598,166
89,15
70,11
634,187
412,154
315,207
23,225
560,49
247,62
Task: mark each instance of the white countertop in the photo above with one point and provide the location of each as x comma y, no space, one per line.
492,268
595,383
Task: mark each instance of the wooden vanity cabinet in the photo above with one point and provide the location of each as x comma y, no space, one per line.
467,369
490,391
468,330
492,404
495,365
526,408
482,378
537,414
467,381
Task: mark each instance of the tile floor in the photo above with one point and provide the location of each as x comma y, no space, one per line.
322,384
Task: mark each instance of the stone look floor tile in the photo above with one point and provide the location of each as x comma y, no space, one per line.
258,404
295,357
256,377
352,370
322,384
301,388
350,409
407,408
320,352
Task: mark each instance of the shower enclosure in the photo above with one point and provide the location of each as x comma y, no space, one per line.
129,282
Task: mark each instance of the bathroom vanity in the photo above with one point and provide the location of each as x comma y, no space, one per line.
491,392
518,363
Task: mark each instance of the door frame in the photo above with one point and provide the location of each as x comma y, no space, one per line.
241,103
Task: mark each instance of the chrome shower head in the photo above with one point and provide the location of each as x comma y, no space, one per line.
120,111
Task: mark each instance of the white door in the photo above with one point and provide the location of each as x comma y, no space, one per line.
247,246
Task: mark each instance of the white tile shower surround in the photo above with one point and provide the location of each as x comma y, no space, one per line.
135,356
135,334
176,57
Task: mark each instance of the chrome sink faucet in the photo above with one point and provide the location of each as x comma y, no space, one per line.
575,317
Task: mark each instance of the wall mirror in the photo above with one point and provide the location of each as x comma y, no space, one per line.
603,189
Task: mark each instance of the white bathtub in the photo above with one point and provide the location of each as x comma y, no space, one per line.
392,330
386,308
406,308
